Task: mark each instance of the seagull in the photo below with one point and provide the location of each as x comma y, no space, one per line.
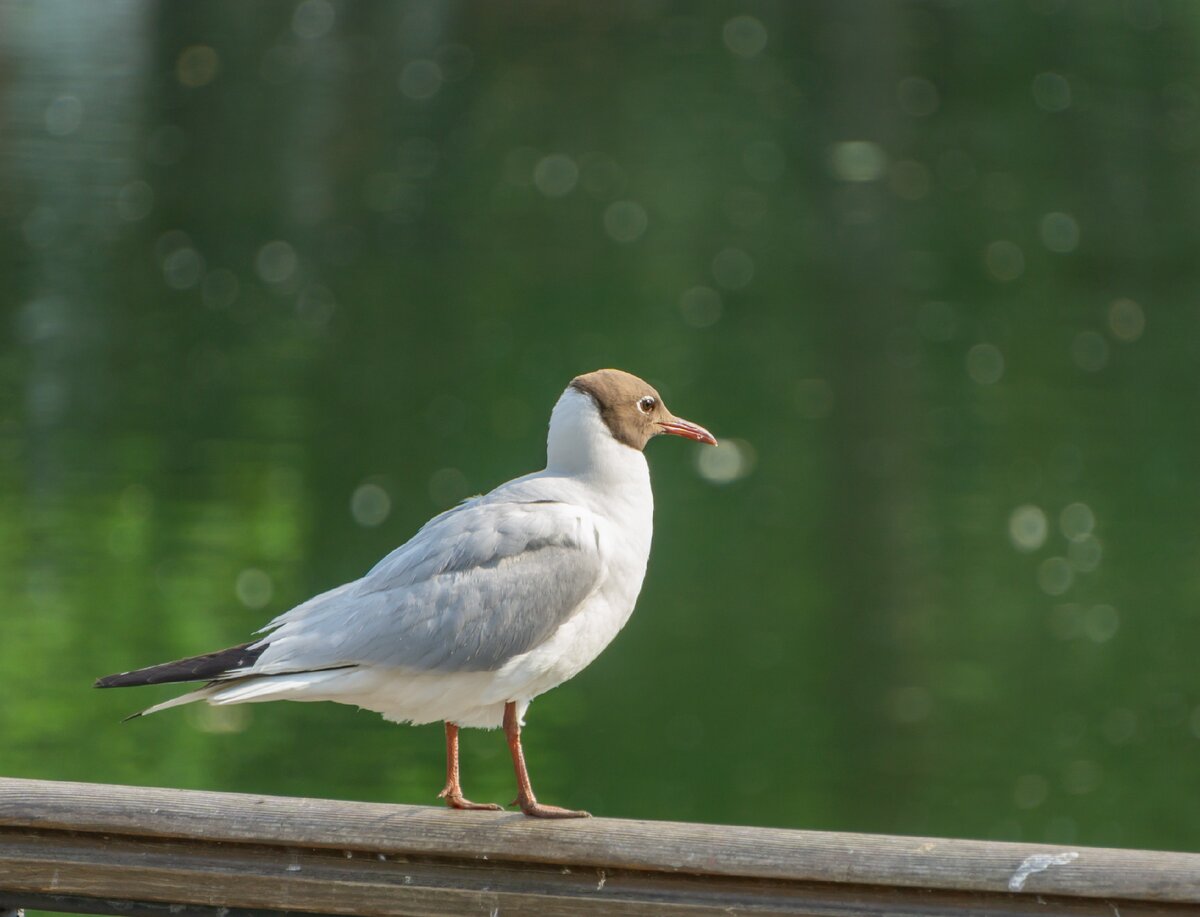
489,605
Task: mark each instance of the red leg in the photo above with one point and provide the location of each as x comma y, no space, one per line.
452,792
525,798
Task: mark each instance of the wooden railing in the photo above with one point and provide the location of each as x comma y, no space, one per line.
103,849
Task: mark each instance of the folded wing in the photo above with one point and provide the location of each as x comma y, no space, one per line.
478,585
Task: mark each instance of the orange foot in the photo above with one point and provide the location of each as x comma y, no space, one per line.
456,801
535,809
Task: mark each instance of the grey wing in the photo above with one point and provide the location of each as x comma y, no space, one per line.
475,587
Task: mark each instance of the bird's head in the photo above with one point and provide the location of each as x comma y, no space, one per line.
632,410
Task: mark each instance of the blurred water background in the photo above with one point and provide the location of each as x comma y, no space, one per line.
281,280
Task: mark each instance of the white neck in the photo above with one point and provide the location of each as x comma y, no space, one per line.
580,445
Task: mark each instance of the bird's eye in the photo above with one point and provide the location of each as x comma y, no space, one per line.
646,405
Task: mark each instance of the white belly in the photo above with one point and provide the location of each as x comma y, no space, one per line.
466,698
472,698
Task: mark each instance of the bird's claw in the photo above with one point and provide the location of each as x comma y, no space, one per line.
535,809
457,801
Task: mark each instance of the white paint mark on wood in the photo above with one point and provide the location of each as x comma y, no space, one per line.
1038,862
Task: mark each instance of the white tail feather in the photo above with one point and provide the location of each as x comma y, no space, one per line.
274,687
256,690
179,701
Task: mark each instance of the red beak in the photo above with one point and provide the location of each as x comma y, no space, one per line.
677,427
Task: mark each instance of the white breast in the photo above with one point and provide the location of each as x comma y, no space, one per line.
613,481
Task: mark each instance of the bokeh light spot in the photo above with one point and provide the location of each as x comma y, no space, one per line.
64,115
1059,232
135,200
745,36
254,588
1101,622
1089,350
700,306
857,160
730,461
909,179
448,486
1076,521
1027,527
625,221
197,66
1051,91
732,268
1085,553
1055,575
224,720
1120,725
1004,260
276,261
315,305
1030,791
312,19
370,504
910,704
420,79
183,268
1082,776
556,175
985,364
1126,320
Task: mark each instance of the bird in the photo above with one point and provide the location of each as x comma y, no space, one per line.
489,605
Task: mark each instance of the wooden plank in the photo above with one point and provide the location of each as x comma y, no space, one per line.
254,879
74,904
91,841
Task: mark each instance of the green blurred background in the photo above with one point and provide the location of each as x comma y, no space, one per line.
281,280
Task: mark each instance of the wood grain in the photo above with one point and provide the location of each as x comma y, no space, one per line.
142,844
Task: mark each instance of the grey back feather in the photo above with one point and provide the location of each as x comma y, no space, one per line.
481,583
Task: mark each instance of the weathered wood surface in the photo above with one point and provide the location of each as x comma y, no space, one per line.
105,849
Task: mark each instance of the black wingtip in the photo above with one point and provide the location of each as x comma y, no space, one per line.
194,668
120,680
132,716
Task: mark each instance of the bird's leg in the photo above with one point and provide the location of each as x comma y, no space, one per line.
452,792
525,798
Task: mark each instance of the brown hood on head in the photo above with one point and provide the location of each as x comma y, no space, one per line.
632,410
